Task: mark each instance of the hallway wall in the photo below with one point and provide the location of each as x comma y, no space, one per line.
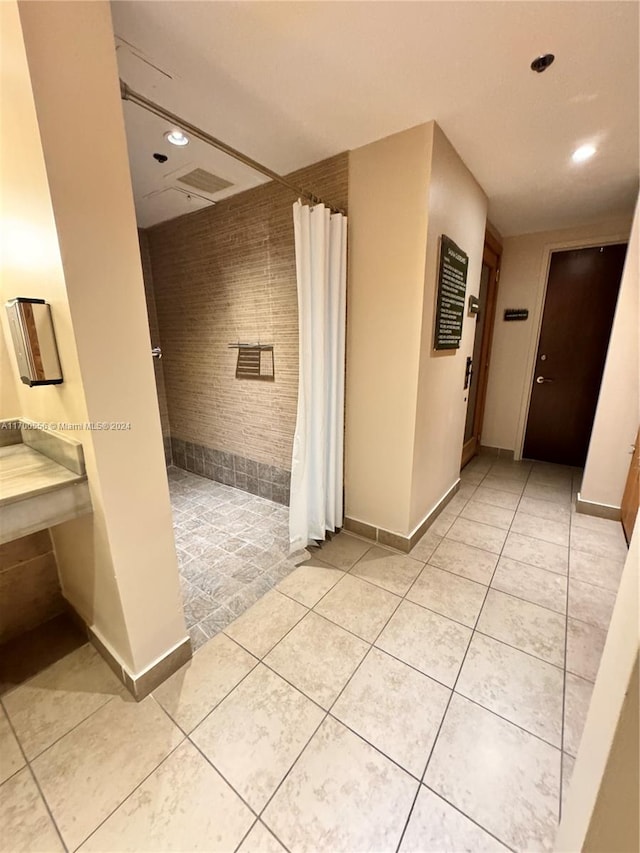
601,809
522,284
457,208
618,413
222,275
405,404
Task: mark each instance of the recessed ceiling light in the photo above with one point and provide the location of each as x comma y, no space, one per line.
541,63
177,137
583,153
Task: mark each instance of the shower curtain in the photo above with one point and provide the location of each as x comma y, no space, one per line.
318,447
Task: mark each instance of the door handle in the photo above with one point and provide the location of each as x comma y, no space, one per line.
541,379
468,372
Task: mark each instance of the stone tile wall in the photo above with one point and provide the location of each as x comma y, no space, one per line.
227,274
257,478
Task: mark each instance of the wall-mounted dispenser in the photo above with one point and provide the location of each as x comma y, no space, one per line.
34,341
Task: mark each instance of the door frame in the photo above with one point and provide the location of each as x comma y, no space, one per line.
491,256
536,327
629,506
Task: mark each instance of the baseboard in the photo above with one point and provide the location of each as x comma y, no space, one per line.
496,452
144,682
400,542
585,507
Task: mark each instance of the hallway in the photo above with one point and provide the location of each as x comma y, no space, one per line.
373,701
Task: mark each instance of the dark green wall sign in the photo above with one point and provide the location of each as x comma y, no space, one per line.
452,285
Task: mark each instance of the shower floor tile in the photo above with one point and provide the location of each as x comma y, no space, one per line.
232,548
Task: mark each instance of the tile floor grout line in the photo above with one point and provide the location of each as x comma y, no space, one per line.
246,835
453,689
47,807
130,794
443,616
506,719
433,746
531,566
217,704
564,680
284,778
188,739
50,666
328,711
472,820
528,600
259,822
472,628
27,766
378,749
79,723
517,648
368,642
222,776
439,729
271,648
287,595
371,645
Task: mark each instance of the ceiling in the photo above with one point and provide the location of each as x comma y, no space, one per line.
290,83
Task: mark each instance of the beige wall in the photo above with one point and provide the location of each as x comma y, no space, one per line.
9,404
457,208
388,206
618,413
66,192
405,405
31,266
601,810
522,284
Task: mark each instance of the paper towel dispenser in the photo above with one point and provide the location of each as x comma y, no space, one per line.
34,341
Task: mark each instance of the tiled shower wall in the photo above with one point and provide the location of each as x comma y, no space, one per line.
155,340
222,275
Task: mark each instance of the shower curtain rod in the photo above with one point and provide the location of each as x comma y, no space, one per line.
128,94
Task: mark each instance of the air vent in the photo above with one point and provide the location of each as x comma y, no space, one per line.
204,181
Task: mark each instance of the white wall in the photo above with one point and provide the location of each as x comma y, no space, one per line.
457,208
618,413
523,276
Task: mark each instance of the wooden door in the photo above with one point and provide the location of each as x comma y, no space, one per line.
629,509
484,321
582,291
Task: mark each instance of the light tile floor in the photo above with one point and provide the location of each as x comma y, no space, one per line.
372,701
232,547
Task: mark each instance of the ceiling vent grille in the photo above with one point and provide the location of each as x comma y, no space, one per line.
204,181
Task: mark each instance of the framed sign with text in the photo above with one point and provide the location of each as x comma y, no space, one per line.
452,285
